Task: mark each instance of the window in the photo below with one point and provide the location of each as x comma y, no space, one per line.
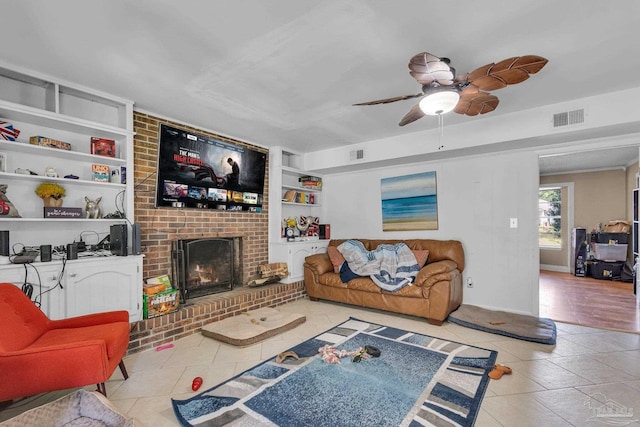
549,219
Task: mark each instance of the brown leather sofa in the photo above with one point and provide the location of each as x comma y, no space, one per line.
436,291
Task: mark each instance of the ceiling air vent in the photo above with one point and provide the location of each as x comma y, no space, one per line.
356,155
568,118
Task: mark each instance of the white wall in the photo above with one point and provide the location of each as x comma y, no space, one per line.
476,197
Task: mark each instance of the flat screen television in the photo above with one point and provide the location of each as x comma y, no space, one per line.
197,171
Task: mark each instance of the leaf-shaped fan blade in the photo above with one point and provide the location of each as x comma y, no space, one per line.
414,114
507,72
388,100
473,102
427,68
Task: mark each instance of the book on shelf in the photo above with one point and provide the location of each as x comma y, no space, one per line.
99,173
103,146
310,182
293,196
290,196
49,142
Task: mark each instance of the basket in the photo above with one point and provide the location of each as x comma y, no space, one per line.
606,252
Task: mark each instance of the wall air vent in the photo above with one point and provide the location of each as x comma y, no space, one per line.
568,118
356,155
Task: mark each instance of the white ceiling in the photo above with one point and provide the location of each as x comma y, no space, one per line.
286,72
588,160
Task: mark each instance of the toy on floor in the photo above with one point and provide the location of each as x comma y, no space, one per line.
331,355
163,347
197,382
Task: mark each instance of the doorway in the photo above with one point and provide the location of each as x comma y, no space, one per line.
592,193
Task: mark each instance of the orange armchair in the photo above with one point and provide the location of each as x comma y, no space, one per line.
39,355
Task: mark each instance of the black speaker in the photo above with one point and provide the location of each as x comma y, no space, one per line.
72,251
118,239
45,253
136,245
324,231
4,242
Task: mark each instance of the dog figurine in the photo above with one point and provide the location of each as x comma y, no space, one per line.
92,208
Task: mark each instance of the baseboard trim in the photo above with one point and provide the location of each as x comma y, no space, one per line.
556,268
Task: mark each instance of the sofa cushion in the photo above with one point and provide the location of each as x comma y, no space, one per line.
421,256
336,258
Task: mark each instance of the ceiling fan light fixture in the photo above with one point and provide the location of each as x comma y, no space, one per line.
439,102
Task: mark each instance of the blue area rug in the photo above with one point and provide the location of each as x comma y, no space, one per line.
417,380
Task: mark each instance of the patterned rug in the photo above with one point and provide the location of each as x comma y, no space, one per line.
417,380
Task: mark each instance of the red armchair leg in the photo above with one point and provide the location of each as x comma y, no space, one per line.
123,370
102,389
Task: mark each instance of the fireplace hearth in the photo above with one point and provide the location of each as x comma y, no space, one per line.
206,266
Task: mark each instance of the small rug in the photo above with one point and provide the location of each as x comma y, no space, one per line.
520,326
253,326
417,380
80,408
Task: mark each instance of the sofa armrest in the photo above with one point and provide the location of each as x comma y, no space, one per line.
318,263
434,272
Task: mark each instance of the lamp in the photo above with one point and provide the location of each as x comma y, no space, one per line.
439,101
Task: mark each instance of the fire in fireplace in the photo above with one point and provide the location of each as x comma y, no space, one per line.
205,266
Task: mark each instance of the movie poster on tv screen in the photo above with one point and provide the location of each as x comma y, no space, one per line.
203,172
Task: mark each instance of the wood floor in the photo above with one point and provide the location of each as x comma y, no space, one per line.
589,302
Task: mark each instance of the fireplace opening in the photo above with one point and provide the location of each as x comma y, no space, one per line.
205,266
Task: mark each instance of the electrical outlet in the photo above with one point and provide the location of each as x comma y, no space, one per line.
469,282
513,222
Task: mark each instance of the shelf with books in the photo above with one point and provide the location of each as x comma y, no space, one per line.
289,198
57,121
56,153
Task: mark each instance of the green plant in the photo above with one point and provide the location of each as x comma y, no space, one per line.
50,189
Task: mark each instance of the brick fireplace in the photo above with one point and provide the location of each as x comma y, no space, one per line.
161,226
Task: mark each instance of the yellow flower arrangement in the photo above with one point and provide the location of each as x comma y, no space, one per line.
49,189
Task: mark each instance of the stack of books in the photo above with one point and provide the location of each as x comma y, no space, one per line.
310,182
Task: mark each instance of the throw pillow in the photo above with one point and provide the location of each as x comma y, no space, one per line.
336,258
346,274
421,256
6,207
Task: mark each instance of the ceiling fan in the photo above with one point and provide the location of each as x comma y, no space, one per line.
443,91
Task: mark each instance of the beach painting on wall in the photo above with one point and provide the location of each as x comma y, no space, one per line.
409,202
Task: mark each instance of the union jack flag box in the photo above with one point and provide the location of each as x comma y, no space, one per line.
7,132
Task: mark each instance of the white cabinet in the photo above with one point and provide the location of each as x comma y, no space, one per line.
42,279
294,253
93,286
82,286
38,105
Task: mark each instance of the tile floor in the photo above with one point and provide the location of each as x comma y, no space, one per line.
557,385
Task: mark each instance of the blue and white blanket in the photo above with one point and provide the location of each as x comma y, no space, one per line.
391,267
